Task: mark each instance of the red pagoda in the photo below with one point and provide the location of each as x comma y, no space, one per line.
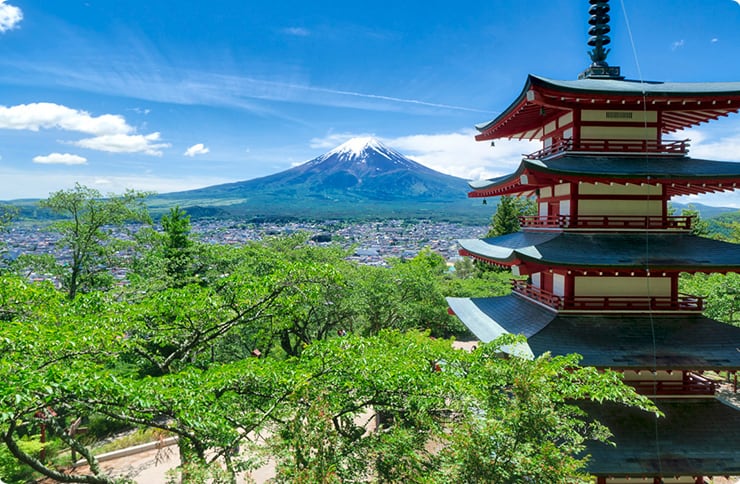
603,257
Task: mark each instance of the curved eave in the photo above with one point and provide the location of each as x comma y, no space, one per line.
680,175
625,342
657,252
541,100
692,436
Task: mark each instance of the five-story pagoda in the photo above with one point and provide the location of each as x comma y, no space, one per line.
603,257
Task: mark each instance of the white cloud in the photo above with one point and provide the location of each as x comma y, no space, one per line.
333,140
125,143
297,31
60,159
198,149
20,184
677,44
35,116
711,144
460,155
10,16
715,39
456,154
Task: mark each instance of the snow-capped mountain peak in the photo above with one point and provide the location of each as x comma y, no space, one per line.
359,150
355,147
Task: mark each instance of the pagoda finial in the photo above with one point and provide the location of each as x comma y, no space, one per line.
599,22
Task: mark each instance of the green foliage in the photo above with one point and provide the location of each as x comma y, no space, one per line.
87,232
176,358
508,211
177,246
7,214
407,295
519,422
699,226
14,472
721,293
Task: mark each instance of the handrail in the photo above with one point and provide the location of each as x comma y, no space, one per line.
653,222
692,384
670,147
683,302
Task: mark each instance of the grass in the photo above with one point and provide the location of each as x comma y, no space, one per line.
137,437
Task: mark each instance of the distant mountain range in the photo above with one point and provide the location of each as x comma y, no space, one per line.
362,178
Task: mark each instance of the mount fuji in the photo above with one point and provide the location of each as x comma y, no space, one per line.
361,177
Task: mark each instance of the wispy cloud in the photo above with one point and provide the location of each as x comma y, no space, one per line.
125,143
296,31
158,83
22,184
677,44
10,16
197,149
60,159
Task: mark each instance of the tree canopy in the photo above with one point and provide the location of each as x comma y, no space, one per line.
338,372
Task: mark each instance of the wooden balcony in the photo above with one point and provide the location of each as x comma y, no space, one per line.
684,302
622,146
692,384
620,222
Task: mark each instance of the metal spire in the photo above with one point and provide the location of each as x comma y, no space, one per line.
599,22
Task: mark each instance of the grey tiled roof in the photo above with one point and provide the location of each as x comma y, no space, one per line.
654,251
697,437
629,86
642,341
624,168
606,341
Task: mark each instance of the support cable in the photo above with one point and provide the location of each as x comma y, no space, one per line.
647,236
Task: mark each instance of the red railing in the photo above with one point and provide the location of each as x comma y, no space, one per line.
642,222
679,147
545,297
684,302
691,384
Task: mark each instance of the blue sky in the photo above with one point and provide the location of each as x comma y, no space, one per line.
169,95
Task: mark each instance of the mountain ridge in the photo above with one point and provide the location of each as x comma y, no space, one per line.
359,177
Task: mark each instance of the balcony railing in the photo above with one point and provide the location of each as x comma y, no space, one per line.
667,147
545,297
692,384
684,302
636,222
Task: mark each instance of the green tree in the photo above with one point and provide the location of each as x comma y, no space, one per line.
699,226
519,420
406,295
506,218
88,232
721,293
178,245
7,214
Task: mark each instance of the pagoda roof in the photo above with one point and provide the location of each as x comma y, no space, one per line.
695,437
681,175
651,251
641,341
542,99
